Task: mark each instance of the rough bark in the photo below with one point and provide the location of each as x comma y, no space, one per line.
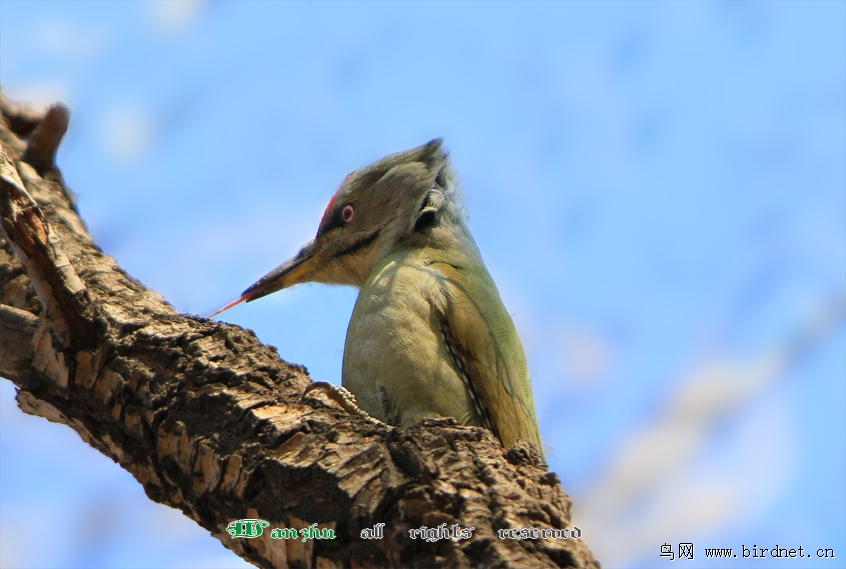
213,422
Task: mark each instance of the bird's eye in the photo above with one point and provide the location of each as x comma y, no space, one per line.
348,213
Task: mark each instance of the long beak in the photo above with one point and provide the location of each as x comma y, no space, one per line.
293,271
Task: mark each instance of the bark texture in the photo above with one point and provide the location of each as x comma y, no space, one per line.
212,422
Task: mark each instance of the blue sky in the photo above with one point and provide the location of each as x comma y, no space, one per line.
658,188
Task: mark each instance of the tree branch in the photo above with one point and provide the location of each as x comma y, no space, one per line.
213,422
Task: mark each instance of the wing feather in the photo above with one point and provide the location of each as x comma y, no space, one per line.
485,342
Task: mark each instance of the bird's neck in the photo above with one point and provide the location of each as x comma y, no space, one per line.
447,242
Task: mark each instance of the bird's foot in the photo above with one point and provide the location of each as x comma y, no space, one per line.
344,398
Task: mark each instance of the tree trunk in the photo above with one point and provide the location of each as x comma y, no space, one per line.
213,422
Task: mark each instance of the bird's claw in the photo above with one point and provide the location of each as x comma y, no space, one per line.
344,398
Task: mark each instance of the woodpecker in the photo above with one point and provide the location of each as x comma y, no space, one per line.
429,335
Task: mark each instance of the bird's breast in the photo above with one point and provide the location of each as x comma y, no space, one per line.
395,361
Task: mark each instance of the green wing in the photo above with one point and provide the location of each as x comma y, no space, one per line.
487,347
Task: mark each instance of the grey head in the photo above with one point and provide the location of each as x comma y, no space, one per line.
396,201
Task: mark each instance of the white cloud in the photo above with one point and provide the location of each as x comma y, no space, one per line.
584,354
174,15
665,483
63,39
127,132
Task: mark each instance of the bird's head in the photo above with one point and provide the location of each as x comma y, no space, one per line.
395,200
